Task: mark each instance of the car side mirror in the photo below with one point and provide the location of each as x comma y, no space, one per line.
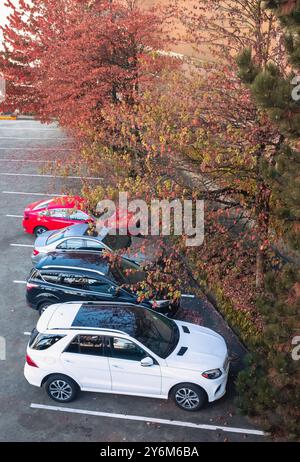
147,362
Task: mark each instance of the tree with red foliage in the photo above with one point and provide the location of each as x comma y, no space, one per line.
65,59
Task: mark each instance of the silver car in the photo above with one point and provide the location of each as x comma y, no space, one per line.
82,238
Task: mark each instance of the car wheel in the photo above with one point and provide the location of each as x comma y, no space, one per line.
189,397
39,230
43,307
61,388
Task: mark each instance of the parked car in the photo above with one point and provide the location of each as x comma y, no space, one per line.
60,212
55,213
85,238
74,276
125,349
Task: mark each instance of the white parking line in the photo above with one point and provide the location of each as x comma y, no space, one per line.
33,148
175,423
33,194
31,128
27,334
21,245
20,282
35,175
32,139
27,160
14,216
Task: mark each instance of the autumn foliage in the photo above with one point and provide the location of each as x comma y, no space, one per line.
65,59
156,126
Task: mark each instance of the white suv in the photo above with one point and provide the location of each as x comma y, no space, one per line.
125,349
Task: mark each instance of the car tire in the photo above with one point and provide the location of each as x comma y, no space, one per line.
188,397
61,388
43,306
39,230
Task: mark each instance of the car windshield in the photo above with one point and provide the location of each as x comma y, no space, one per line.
126,272
57,235
157,332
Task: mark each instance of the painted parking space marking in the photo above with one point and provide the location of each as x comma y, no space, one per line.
14,216
33,194
40,129
32,139
27,334
137,418
21,245
20,282
38,161
36,175
35,149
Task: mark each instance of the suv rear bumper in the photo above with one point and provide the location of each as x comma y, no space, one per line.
33,375
30,304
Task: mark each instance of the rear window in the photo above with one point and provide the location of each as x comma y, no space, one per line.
42,205
33,336
56,236
35,274
43,341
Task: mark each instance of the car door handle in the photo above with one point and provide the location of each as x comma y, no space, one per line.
115,366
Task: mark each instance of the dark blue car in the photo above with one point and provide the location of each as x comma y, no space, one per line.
74,276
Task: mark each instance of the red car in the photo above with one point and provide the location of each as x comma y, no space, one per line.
55,213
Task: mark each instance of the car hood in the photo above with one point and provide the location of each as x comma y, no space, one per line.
205,348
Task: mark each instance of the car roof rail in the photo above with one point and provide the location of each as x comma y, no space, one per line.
98,329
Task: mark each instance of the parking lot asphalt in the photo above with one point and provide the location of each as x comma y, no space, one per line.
26,413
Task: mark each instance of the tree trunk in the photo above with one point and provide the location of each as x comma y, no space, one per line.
260,267
263,222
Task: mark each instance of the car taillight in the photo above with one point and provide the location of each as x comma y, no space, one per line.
35,252
26,216
30,362
30,285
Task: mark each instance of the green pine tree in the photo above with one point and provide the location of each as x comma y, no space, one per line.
270,384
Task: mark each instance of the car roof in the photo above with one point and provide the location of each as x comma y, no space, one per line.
87,261
106,316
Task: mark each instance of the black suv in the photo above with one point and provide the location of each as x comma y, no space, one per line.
73,276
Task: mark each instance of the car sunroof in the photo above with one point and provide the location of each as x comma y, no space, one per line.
112,317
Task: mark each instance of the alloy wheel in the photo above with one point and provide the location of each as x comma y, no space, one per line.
60,390
40,231
187,398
